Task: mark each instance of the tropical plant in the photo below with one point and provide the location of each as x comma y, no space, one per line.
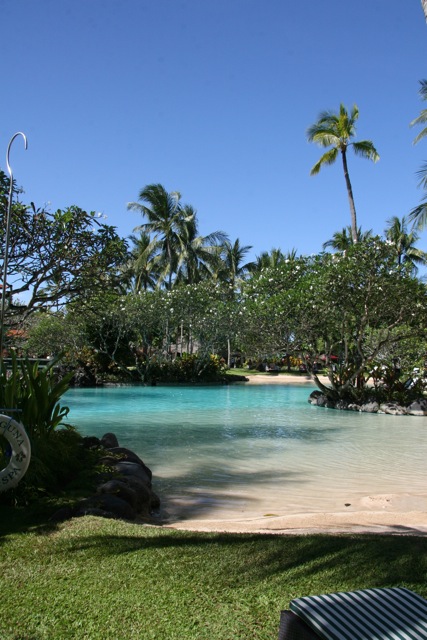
32,394
144,263
198,253
230,266
165,215
403,242
342,240
336,130
422,118
418,215
272,259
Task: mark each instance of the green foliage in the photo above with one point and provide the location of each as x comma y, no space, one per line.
391,387
51,334
187,368
60,466
359,306
31,395
58,257
34,393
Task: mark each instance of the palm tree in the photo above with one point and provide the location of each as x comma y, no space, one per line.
404,243
198,253
266,259
144,264
343,240
418,215
336,131
230,266
165,216
422,118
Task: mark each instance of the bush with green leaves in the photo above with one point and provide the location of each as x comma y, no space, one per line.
31,395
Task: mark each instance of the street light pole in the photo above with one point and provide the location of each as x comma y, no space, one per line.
7,235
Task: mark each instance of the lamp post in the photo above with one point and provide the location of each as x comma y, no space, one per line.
7,236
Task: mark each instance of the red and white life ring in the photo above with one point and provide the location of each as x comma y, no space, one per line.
16,435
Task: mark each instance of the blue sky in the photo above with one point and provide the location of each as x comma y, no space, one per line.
213,99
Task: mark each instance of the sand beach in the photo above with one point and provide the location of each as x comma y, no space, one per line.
397,514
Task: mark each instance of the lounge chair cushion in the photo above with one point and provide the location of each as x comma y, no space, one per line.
368,614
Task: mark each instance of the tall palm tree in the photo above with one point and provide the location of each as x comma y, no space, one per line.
198,253
144,264
422,118
266,259
418,215
336,130
231,266
404,243
343,240
165,216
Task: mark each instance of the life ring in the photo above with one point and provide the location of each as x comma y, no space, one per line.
16,435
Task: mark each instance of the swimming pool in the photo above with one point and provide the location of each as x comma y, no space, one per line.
248,451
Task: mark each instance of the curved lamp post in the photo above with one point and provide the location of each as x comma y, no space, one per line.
7,234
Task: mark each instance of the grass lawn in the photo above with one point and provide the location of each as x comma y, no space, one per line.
91,578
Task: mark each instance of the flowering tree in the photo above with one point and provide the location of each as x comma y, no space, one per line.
358,304
57,257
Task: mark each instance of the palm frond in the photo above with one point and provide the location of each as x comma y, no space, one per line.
422,175
328,158
418,216
365,149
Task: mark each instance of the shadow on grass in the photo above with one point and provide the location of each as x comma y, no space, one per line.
15,520
358,561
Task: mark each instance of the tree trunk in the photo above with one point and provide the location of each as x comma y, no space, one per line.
350,196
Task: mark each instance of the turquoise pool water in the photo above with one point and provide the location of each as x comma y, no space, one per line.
245,451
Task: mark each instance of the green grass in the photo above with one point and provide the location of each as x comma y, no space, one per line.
91,578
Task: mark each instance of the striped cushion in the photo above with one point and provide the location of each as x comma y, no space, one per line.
369,614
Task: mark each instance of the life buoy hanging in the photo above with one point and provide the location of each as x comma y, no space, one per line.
16,435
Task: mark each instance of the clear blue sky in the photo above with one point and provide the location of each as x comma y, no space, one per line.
213,99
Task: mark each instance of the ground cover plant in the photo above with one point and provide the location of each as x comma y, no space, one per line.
91,578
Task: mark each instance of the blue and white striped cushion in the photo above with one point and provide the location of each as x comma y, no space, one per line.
369,614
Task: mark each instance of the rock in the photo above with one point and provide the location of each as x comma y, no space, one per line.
83,378
313,397
121,490
418,408
393,409
132,469
155,501
353,407
370,407
62,514
106,503
91,442
323,401
109,440
146,499
126,455
341,404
